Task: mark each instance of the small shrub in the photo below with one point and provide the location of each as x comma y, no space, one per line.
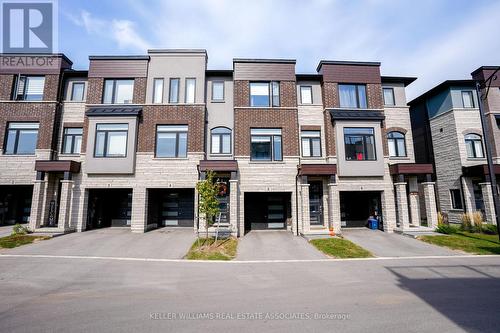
445,229
442,218
477,221
490,229
19,229
466,222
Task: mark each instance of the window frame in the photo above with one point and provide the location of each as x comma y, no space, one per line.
396,146
480,139
301,98
176,140
272,137
310,142
186,90
453,199
15,95
270,94
223,91
170,90
113,93
106,136
469,92
65,138
16,139
229,133
393,96
364,144
72,96
162,90
358,104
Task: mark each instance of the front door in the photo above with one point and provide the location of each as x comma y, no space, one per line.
316,202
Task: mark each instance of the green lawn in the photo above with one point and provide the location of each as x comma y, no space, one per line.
225,249
340,248
12,241
466,241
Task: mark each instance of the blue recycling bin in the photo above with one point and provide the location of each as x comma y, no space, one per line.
373,224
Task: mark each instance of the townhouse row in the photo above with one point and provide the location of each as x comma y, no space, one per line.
124,144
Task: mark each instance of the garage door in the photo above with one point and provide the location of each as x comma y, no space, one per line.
265,211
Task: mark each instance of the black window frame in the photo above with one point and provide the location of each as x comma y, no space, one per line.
72,95
229,133
106,136
480,139
162,90
469,92
271,142
176,140
396,143
456,203
310,140
223,91
393,96
15,95
358,104
65,138
270,94
170,90
16,140
300,91
113,93
364,136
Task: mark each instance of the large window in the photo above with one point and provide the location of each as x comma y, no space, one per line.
474,146
111,140
266,144
77,91
171,141
306,95
352,96
173,95
359,144
29,88
218,91
190,90
158,91
397,145
467,99
311,143
72,140
118,91
264,94
389,96
21,138
456,199
221,140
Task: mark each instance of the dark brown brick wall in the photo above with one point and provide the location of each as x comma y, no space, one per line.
139,90
286,119
329,135
96,89
288,94
6,84
51,88
374,96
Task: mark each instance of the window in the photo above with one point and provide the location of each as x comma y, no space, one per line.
171,141
173,95
352,96
474,146
389,96
118,91
77,91
111,140
311,143
359,144
467,99
158,91
72,140
456,199
266,144
397,145
218,91
21,138
221,140
264,94
190,90
306,95
29,88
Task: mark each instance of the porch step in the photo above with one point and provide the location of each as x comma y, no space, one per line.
415,232
51,232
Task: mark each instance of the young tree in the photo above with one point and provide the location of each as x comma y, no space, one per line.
208,203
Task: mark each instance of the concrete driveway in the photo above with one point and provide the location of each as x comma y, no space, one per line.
116,242
6,230
275,245
383,244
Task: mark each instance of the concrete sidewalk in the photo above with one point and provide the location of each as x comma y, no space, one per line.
275,245
382,244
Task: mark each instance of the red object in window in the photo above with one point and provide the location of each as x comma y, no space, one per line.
359,156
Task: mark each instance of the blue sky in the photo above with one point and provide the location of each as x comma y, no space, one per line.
434,40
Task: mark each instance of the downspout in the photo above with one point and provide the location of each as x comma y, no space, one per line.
297,200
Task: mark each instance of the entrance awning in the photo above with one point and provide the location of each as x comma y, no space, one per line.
479,170
317,169
57,166
411,169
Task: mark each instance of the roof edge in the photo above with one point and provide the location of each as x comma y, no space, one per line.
264,60
342,62
125,57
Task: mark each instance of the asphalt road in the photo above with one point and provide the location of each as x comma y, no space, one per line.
399,295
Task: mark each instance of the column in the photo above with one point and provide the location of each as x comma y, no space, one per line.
139,210
64,222
305,226
334,206
233,206
83,208
388,209
402,205
414,202
489,205
430,204
468,189
38,202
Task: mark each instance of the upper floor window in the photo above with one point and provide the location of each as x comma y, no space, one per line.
311,143
389,96
397,145
264,94
474,146
171,140
266,144
29,88
118,91
218,91
21,138
359,144
111,140
77,91
157,91
190,90
456,199
173,95
467,99
306,95
72,140
221,140
352,96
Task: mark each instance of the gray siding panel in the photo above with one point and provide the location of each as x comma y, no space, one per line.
118,68
264,71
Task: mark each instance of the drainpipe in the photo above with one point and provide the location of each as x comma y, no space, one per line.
297,199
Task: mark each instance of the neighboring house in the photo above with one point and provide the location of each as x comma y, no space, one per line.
447,133
128,140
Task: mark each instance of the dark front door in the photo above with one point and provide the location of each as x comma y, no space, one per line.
316,202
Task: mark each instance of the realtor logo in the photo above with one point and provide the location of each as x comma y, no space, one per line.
28,27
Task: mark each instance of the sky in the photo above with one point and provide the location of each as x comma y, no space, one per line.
432,40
